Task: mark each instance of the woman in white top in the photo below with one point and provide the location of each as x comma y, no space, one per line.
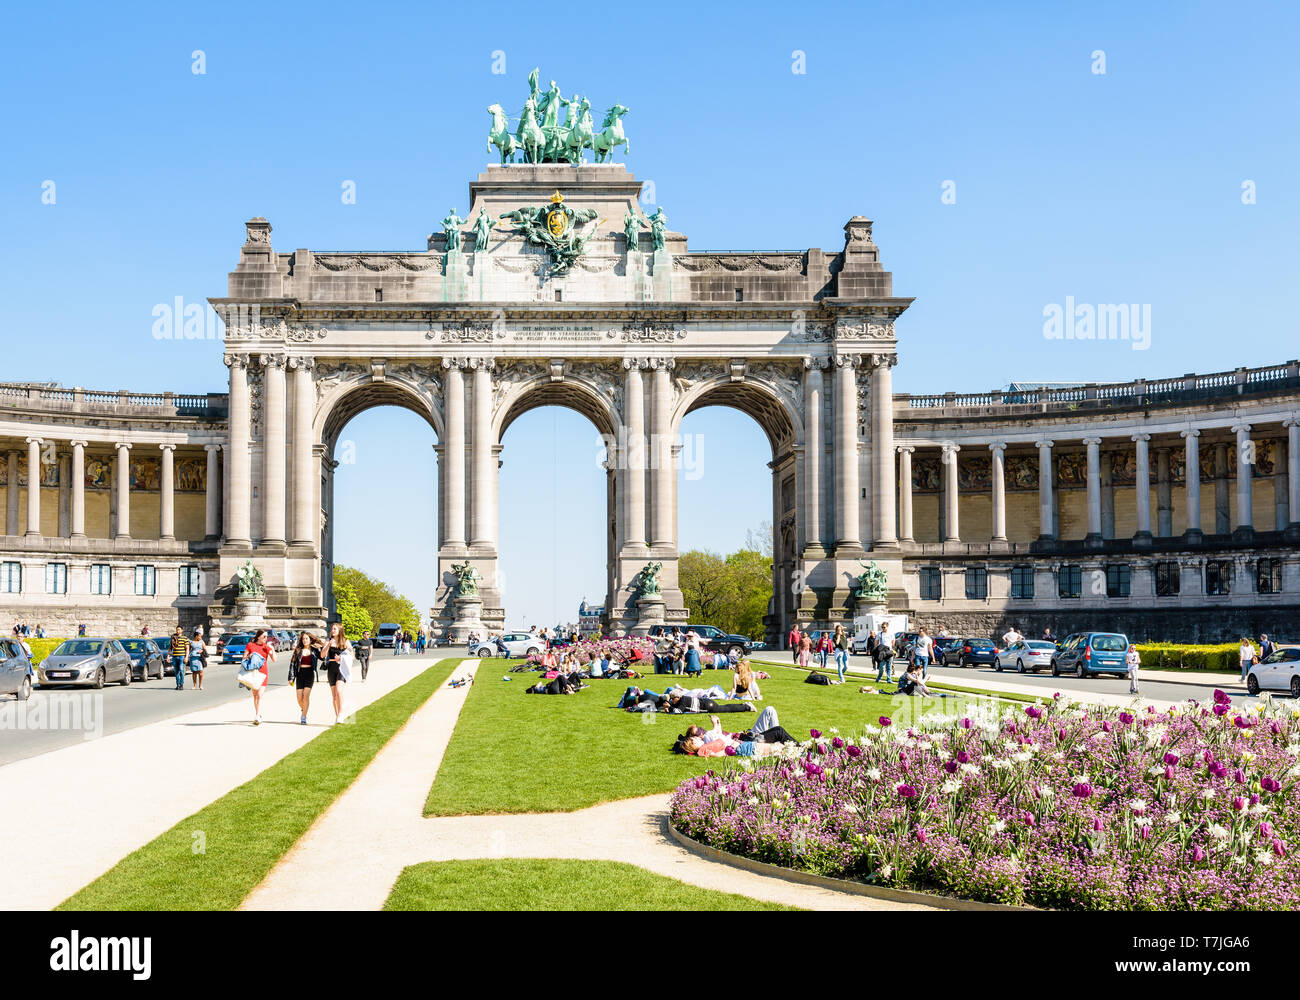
1247,655
1133,660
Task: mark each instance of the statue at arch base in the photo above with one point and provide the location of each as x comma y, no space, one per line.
651,607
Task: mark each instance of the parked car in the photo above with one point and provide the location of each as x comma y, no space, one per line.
232,649
516,643
1085,653
147,660
971,652
940,655
1027,655
1279,671
711,639
86,661
15,670
385,635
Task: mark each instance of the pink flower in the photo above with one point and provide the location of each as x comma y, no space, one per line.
1279,848
906,792
1169,773
884,721
1266,829
837,743
1198,855
816,734
1082,791
1171,759
1034,712
1029,819
920,836
1106,727
1270,784
1239,804
1145,833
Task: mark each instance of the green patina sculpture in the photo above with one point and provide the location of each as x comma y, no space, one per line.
872,584
248,581
555,227
646,583
632,229
482,230
467,578
544,137
658,227
451,226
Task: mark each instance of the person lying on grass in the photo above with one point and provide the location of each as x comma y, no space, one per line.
761,741
560,684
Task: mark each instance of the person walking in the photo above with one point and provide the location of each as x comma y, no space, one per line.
1246,654
824,647
1132,660
362,648
198,659
840,642
921,652
180,649
1012,636
258,655
303,661
1267,647
338,651
805,650
794,639
883,655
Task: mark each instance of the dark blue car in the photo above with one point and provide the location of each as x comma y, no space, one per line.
972,652
1085,653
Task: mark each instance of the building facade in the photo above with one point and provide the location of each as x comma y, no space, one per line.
1166,508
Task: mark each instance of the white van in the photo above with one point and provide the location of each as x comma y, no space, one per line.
864,625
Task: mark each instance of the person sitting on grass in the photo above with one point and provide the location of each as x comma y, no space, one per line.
913,682
743,685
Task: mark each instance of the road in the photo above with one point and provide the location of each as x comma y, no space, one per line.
1161,689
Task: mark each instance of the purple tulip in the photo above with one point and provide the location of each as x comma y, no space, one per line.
1241,722
1279,848
1034,712
1221,697
1239,804
1096,824
837,743
816,734
1254,800
1056,696
906,792
965,723
1198,855
884,721
1106,727
1169,773
1270,784
950,766
1029,819
963,757
1266,829
1083,790
1125,718
920,836
1218,770
1274,728
1145,833
730,751
1171,759
1207,757
854,751
1220,710
1239,776
821,748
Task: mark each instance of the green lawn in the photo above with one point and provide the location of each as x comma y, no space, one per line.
512,752
244,833
547,884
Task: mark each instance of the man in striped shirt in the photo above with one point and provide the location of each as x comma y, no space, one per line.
180,651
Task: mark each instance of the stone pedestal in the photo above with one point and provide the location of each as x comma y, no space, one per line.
469,618
651,610
455,276
250,612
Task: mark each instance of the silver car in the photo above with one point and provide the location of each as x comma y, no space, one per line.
516,643
15,670
1027,656
86,661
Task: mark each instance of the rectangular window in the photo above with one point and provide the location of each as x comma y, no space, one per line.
1069,581
11,578
1218,577
1268,576
191,581
56,578
977,583
1168,579
1022,583
931,583
1117,580
146,581
101,578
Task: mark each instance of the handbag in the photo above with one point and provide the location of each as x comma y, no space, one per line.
251,678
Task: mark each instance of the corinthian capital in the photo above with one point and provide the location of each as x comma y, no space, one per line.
272,360
235,360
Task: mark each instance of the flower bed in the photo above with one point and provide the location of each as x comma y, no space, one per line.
619,650
1055,805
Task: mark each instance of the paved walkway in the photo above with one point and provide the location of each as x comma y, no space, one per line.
353,854
73,813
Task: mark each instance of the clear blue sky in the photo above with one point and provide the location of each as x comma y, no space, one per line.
1117,188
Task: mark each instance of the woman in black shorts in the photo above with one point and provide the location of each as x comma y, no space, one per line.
304,660
334,648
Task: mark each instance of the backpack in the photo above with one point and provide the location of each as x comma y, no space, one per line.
815,678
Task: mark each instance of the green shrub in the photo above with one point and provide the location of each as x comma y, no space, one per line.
41,648
1177,656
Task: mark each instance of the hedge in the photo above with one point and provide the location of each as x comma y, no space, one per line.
41,648
1176,656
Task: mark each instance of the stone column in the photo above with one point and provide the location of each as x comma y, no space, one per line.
483,516
1222,520
1164,495
212,512
997,463
1045,484
1107,495
77,527
814,453
166,494
883,491
1292,425
453,466
634,453
122,471
1281,502
65,495
905,492
951,531
848,540
11,495
1093,538
305,471
33,487
1143,489
1245,469
274,441
1192,483
238,478
662,471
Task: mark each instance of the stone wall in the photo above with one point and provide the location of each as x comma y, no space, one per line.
1190,625
119,620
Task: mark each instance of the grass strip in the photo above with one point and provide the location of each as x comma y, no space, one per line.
245,832
550,884
516,753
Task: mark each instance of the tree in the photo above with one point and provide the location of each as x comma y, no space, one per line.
705,586
377,598
354,617
731,593
760,540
